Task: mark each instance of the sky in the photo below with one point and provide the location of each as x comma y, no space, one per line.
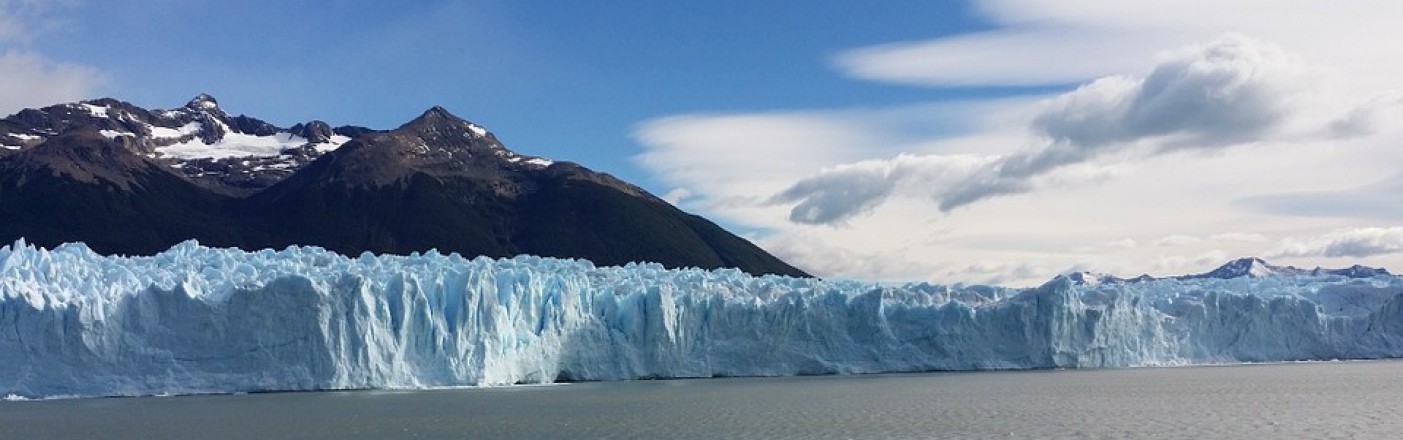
990,141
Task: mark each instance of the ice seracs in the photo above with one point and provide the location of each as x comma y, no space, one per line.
196,319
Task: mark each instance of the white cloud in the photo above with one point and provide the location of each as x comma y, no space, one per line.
1377,200
1035,55
810,252
1187,240
734,164
677,195
1227,92
1177,240
1153,144
29,78
837,194
1371,116
1238,236
1355,243
1125,243
731,163
1230,90
1211,258
1057,42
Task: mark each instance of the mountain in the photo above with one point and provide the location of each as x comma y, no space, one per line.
127,180
1249,267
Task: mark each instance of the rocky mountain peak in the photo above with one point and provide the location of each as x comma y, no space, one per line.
314,131
437,182
438,122
202,102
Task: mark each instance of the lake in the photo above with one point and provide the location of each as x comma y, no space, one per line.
1301,400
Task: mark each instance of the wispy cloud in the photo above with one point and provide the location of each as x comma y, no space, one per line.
1356,243
1028,56
1282,98
1378,200
1227,92
736,164
839,193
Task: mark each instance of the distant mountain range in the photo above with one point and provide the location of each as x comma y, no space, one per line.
128,180
1243,267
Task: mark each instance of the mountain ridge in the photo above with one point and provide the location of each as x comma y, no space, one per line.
1248,267
130,180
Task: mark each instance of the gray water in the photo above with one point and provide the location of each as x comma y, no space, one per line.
1314,400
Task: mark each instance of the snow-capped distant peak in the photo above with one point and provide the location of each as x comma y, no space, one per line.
1249,267
1086,278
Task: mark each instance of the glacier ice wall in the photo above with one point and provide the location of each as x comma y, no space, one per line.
196,319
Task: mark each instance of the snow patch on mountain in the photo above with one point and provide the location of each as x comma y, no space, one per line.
540,162
113,134
233,145
96,110
479,131
189,129
331,144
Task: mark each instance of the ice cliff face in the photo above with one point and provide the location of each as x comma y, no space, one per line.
196,319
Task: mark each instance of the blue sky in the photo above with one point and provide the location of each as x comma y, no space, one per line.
561,79
995,141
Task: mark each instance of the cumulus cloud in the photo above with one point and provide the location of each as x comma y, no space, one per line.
1226,92
1230,90
1356,243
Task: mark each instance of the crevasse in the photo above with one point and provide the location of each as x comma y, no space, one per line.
196,320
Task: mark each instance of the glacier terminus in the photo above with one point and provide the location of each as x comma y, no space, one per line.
206,320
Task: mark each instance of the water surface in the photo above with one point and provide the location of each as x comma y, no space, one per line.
1312,400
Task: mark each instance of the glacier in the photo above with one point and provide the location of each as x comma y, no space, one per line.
195,319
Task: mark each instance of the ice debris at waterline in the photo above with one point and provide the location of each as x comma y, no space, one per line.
196,319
